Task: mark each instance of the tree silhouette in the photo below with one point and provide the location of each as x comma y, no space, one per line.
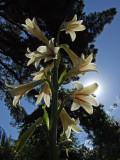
14,41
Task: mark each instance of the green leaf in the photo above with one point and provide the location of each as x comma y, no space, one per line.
46,117
26,135
67,150
62,75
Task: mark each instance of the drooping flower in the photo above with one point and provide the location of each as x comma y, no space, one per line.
82,97
20,90
82,66
49,52
68,123
73,26
44,93
32,27
43,72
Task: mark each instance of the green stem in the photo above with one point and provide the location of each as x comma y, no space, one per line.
53,120
61,107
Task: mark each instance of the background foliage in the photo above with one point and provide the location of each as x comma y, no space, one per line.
101,129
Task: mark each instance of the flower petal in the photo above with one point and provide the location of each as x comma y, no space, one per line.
47,95
75,128
12,86
78,85
68,123
29,23
35,24
87,107
24,88
72,35
56,49
74,18
32,27
16,100
90,66
39,97
89,58
74,58
78,22
91,100
75,106
90,89
39,77
37,61
30,55
42,49
68,132
79,28
31,61
51,44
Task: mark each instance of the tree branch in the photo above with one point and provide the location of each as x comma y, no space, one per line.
11,71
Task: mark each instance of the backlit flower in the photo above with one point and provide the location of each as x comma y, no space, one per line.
45,93
49,52
20,90
43,72
82,65
69,123
73,26
32,27
34,56
43,52
74,58
82,97
85,65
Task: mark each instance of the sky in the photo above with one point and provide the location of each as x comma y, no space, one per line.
107,60
108,57
108,66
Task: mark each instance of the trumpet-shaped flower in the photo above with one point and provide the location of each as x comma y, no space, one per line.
82,97
43,72
73,26
86,66
68,123
49,52
74,58
44,93
32,27
34,57
82,66
20,90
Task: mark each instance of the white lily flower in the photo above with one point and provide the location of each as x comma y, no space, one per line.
86,66
20,90
82,97
82,66
69,123
49,52
32,27
45,93
34,56
73,26
43,71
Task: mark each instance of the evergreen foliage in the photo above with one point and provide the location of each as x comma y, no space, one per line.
101,129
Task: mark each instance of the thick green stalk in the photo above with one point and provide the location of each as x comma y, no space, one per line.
53,120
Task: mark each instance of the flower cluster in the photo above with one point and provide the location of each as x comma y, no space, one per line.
81,96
